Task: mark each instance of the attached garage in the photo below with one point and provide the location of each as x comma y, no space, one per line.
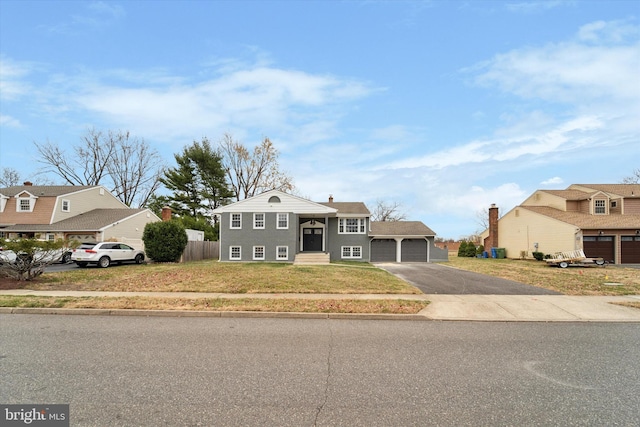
404,241
630,249
599,247
414,250
383,250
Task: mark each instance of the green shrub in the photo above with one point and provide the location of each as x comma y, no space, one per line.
471,250
462,250
164,241
538,255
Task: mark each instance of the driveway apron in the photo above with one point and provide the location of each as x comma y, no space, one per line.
441,279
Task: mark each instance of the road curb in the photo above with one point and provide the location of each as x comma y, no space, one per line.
196,313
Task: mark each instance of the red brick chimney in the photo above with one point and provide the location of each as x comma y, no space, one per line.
28,184
492,240
330,198
166,214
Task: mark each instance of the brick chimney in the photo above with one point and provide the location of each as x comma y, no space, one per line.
492,240
330,198
166,214
27,183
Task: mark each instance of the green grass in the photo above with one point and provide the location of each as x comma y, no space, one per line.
220,304
213,276
569,281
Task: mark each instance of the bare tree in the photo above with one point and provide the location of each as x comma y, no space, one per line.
10,177
87,165
633,178
126,165
251,173
135,169
387,212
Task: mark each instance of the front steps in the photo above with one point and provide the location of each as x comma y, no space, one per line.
307,258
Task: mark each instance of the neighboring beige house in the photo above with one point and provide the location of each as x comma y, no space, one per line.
601,219
82,213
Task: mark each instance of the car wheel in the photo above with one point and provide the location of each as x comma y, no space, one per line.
81,264
139,259
66,258
104,262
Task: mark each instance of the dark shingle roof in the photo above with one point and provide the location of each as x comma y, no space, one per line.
43,190
90,221
400,228
357,208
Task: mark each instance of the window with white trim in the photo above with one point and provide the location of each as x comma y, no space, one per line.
235,253
236,220
352,252
282,252
258,253
258,220
600,207
351,225
282,221
66,206
25,204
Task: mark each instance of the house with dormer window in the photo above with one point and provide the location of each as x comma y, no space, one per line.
603,220
82,213
279,227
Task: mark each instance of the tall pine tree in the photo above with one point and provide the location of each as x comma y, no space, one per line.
198,183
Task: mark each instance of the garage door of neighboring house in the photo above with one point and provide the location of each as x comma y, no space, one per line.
82,238
599,247
383,250
414,250
630,248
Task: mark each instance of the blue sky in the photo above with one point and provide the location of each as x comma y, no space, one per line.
442,106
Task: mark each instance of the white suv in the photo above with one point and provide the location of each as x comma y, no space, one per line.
104,254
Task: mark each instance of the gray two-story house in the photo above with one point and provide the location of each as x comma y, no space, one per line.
276,226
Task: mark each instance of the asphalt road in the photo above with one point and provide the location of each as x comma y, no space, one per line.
139,371
440,279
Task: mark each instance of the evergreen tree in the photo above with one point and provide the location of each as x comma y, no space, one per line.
198,182
462,250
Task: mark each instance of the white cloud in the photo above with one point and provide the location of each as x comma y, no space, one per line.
6,120
259,98
12,75
553,181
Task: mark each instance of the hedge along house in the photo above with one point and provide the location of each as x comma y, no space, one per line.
276,226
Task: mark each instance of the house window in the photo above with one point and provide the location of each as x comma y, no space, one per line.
258,252
283,220
274,199
235,253
66,206
236,220
352,252
614,204
351,225
24,205
601,207
282,252
258,220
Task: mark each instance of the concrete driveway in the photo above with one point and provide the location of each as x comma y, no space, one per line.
441,279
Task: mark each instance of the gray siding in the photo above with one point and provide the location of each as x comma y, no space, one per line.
336,241
247,237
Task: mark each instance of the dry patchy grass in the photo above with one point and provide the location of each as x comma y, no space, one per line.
213,276
220,304
595,280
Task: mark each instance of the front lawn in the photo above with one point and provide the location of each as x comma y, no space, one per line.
213,276
608,280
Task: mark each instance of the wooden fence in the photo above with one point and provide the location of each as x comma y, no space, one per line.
197,251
